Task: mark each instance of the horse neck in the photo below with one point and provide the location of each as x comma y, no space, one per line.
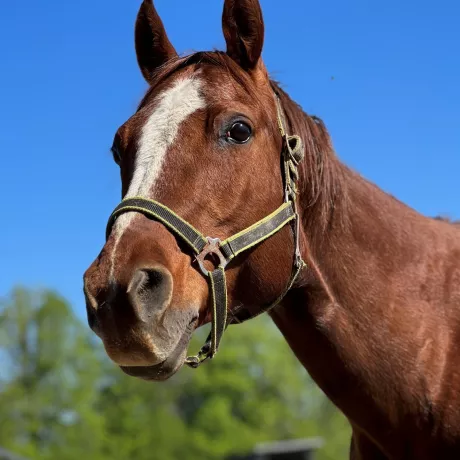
354,235
348,320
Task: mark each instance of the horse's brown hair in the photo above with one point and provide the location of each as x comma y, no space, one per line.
322,172
375,315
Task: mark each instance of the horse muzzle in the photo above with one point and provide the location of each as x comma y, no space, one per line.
136,322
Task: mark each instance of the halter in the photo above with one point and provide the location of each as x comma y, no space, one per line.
225,251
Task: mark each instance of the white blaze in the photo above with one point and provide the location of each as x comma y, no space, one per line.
160,131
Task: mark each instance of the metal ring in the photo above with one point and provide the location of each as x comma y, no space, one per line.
212,247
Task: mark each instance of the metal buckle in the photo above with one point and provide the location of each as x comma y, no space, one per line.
213,247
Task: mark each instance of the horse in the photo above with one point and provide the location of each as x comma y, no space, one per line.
364,289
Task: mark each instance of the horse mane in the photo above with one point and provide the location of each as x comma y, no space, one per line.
322,174
448,220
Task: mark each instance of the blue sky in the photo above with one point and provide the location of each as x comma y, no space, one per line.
69,78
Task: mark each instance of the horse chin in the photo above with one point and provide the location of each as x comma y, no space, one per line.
167,368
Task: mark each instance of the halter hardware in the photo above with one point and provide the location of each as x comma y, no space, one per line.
213,247
225,251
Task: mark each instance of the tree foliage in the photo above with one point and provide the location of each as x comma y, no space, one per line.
61,399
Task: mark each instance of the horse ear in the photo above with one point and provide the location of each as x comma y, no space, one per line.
153,47
243,28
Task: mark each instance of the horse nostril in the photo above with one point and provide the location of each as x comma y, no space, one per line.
150,291
145,280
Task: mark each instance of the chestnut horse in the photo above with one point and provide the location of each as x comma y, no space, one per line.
373,316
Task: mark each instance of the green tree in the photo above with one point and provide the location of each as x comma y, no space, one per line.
49,378
61,398
253,391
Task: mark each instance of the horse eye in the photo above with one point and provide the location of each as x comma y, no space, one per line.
239,132
116,155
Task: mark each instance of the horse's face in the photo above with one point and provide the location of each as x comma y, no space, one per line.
205,143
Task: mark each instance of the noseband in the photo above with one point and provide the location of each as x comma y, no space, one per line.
225,251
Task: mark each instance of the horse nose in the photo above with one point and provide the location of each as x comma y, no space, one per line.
149,292
128,309
143,297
